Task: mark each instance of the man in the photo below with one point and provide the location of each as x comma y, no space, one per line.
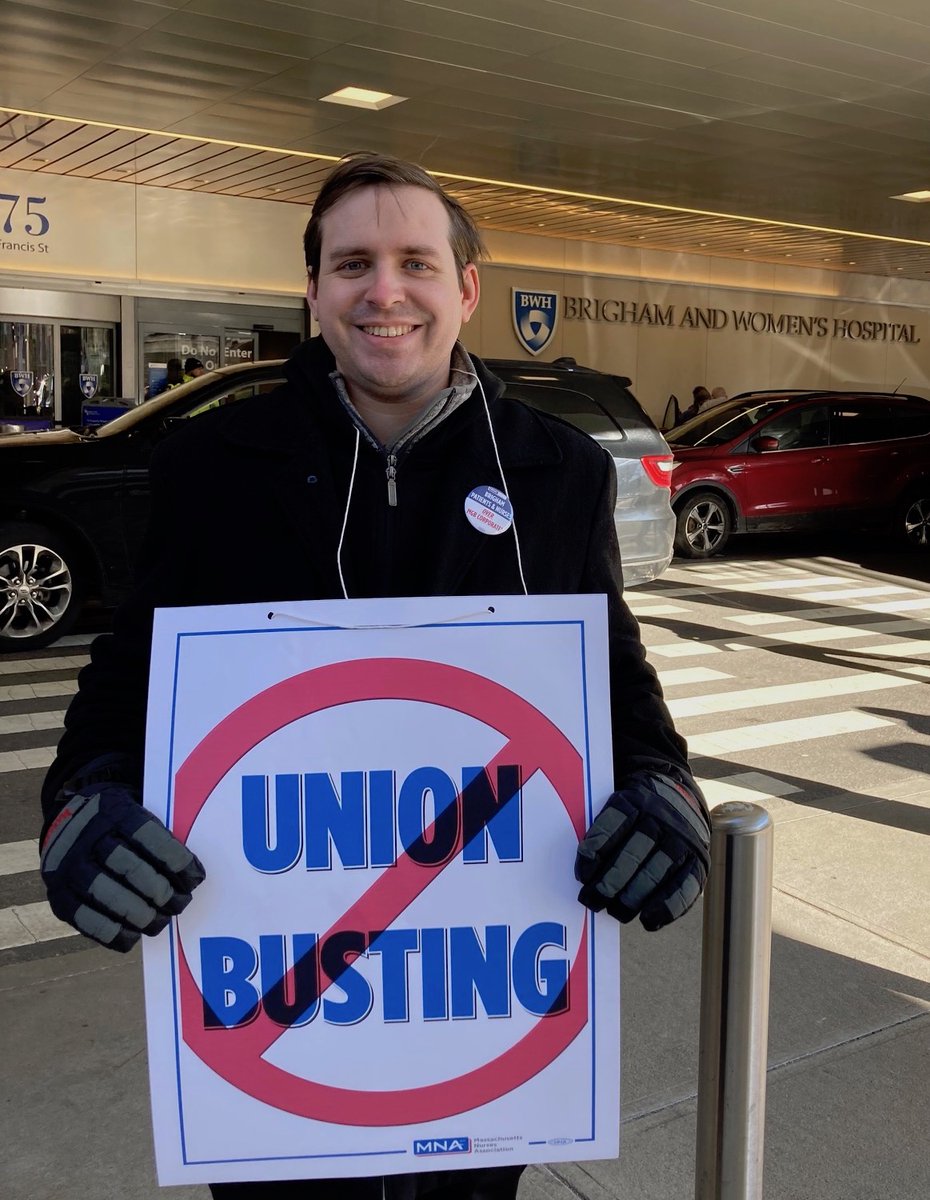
351,481
700,398
193,369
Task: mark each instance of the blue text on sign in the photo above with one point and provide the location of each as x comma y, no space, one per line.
455,968
361,820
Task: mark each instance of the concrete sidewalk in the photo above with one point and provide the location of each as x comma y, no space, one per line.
849,1051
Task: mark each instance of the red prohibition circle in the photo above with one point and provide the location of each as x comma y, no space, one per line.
534,742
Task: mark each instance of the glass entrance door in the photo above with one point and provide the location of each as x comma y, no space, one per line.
87,369
172,358
35,355
27,374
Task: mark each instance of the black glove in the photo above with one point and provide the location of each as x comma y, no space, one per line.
647,853
111,868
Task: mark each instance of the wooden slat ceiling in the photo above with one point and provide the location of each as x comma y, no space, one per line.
735,129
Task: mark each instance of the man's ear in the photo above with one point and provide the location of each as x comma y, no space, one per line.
471,289
311,294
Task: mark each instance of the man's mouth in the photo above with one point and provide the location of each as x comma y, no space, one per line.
386,331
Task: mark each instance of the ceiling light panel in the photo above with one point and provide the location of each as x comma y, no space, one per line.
356,97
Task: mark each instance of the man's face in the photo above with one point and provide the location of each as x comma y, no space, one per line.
387,296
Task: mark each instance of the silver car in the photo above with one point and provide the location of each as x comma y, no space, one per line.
604,407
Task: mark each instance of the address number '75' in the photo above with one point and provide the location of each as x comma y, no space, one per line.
32,210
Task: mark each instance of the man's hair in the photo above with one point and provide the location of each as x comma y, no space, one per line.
366,169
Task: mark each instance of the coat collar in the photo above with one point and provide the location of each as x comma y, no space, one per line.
290,420
301,437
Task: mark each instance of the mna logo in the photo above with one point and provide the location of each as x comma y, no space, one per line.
534,318
448,1145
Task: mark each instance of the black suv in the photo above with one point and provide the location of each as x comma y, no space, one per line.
74,503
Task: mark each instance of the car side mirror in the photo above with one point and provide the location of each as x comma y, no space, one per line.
764,442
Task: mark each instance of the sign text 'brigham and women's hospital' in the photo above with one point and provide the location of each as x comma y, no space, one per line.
740,320
361,824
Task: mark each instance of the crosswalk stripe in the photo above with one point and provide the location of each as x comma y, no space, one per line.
26,666
830,633
786,693
902,649
764,618
26,760
901,605
751,586
26,924
690,675
785,585
859,593
77,639
26,722
781,733
812,635
822,614
17,857
682,649
656,610
38,691
751,786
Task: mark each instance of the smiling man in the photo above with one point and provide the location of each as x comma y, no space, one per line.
390,306
358,478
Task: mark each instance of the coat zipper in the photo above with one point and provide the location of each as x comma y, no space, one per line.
391,473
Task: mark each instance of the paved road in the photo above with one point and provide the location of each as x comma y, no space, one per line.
798,679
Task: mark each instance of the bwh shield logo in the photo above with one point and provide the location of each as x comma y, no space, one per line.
534,318
22,382
89,385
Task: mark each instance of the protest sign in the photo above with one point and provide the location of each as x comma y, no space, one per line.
387,968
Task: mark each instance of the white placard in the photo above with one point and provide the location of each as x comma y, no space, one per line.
389,792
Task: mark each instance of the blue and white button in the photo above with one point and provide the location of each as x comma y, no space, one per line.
489,510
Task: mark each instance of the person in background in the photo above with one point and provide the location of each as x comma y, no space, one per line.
717,396
193,369
700,399
395,424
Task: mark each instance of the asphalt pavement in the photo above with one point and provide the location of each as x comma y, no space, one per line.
801,684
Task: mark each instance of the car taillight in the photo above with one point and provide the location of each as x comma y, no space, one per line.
659,468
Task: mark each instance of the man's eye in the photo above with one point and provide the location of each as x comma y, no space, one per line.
353,264
415,264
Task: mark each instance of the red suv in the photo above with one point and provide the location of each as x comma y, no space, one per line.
797,460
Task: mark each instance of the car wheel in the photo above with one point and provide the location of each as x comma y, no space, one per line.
40,586
703,525
914,519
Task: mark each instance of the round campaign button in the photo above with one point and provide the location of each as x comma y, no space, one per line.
489,510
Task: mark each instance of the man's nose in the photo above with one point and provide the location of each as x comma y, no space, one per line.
386,286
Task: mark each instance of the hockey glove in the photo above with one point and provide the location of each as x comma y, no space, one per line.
647,853
112,869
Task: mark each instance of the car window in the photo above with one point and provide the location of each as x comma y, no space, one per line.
571,405
723,423
621,403
911,422
853,422
800,428
234,396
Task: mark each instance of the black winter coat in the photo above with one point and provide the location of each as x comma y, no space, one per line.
248,503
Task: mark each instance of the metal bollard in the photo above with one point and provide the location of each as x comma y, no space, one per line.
734,1005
